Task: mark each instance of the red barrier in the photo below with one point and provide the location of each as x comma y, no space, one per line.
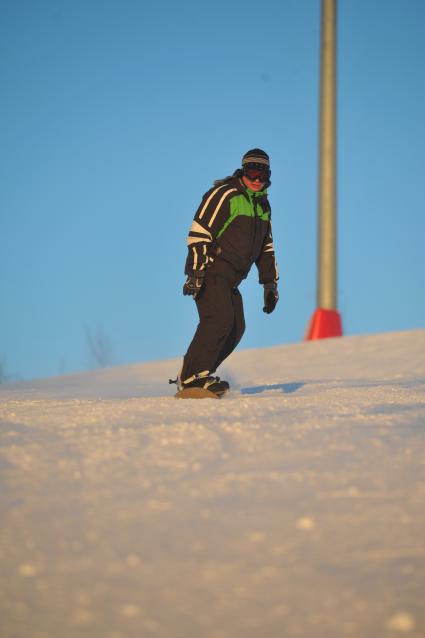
324,324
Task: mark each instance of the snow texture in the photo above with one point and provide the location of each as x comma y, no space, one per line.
294,507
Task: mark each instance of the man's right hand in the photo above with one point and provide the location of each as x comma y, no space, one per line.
194,282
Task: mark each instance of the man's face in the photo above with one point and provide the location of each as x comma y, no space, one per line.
253,184
255,177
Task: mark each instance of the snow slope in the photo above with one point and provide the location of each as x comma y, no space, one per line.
294,507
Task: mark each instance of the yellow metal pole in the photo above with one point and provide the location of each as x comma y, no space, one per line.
327,266
326,320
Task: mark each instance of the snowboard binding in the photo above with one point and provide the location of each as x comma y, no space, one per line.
207,387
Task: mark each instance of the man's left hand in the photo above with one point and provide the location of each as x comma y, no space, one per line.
271,297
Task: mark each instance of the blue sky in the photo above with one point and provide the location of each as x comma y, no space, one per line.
116,117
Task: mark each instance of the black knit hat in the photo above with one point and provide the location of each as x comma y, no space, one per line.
256,157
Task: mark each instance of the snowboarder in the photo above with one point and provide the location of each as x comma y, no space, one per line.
231,230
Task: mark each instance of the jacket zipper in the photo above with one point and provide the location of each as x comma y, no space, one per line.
254,236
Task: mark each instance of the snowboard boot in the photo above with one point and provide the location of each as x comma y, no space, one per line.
201,386
212,384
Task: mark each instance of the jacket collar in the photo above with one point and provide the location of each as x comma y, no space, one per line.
249,191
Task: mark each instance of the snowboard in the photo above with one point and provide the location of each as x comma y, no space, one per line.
197,393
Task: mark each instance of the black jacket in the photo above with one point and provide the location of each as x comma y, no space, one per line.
232,230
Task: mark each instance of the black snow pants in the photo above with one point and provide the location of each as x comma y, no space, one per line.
221,326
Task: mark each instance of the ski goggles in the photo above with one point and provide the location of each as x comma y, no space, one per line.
253,174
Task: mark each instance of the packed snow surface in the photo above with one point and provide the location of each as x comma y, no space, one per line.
293,507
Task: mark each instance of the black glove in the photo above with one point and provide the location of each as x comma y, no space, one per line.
194,282
271,297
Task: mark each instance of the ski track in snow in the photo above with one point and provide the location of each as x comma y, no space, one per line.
293,507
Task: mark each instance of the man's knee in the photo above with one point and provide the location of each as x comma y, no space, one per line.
224,323
241,329
239,317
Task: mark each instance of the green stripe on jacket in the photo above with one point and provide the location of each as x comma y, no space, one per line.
239,205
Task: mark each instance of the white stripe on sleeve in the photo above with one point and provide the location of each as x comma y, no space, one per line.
197,228
214,215
197,240
201,214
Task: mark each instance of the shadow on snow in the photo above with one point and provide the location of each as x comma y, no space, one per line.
286,388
